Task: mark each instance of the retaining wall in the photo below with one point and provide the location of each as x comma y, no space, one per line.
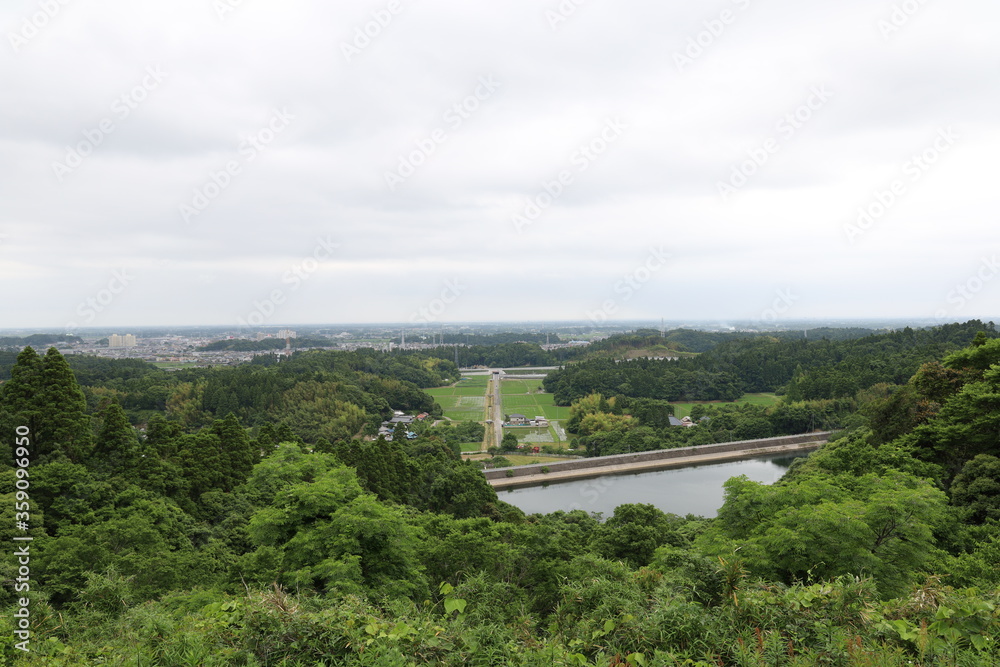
658,455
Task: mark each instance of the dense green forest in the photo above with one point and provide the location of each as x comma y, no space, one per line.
484,339
620,424
508,350
319,394
244,345
38,339
805,368
245,524
497,355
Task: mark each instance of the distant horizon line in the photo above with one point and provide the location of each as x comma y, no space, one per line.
655,323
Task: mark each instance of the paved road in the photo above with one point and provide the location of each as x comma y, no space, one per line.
497,411
493,398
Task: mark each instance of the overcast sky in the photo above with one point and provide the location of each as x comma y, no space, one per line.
228,161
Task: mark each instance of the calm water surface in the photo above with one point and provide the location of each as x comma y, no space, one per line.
694,490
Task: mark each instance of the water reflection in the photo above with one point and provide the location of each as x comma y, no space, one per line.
694,490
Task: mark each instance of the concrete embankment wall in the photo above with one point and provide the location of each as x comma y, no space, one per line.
617,460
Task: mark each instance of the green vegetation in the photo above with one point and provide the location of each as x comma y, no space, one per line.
465,434
38,340
520,386
502,338
803,369
522,396
765,399
689,342
532,405
620,424
762,399
501,355
525,459
464,400
243,345
174,364
200,541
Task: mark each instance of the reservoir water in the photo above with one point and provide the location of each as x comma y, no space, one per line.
693,490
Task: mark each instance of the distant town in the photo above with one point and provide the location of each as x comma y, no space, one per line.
180,347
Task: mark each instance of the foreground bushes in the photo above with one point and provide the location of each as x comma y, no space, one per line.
609,614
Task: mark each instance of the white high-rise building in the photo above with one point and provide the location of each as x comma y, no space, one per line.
128,340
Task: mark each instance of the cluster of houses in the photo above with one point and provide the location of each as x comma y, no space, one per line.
387,428
521,420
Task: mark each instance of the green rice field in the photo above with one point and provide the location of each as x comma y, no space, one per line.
519,386
533,436
684,409
522,396
462,408
465,400
532,405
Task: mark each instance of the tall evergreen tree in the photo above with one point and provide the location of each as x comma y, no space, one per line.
161,435
267,437
238,451
65,427
285,433
202,463
19,399
117,448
